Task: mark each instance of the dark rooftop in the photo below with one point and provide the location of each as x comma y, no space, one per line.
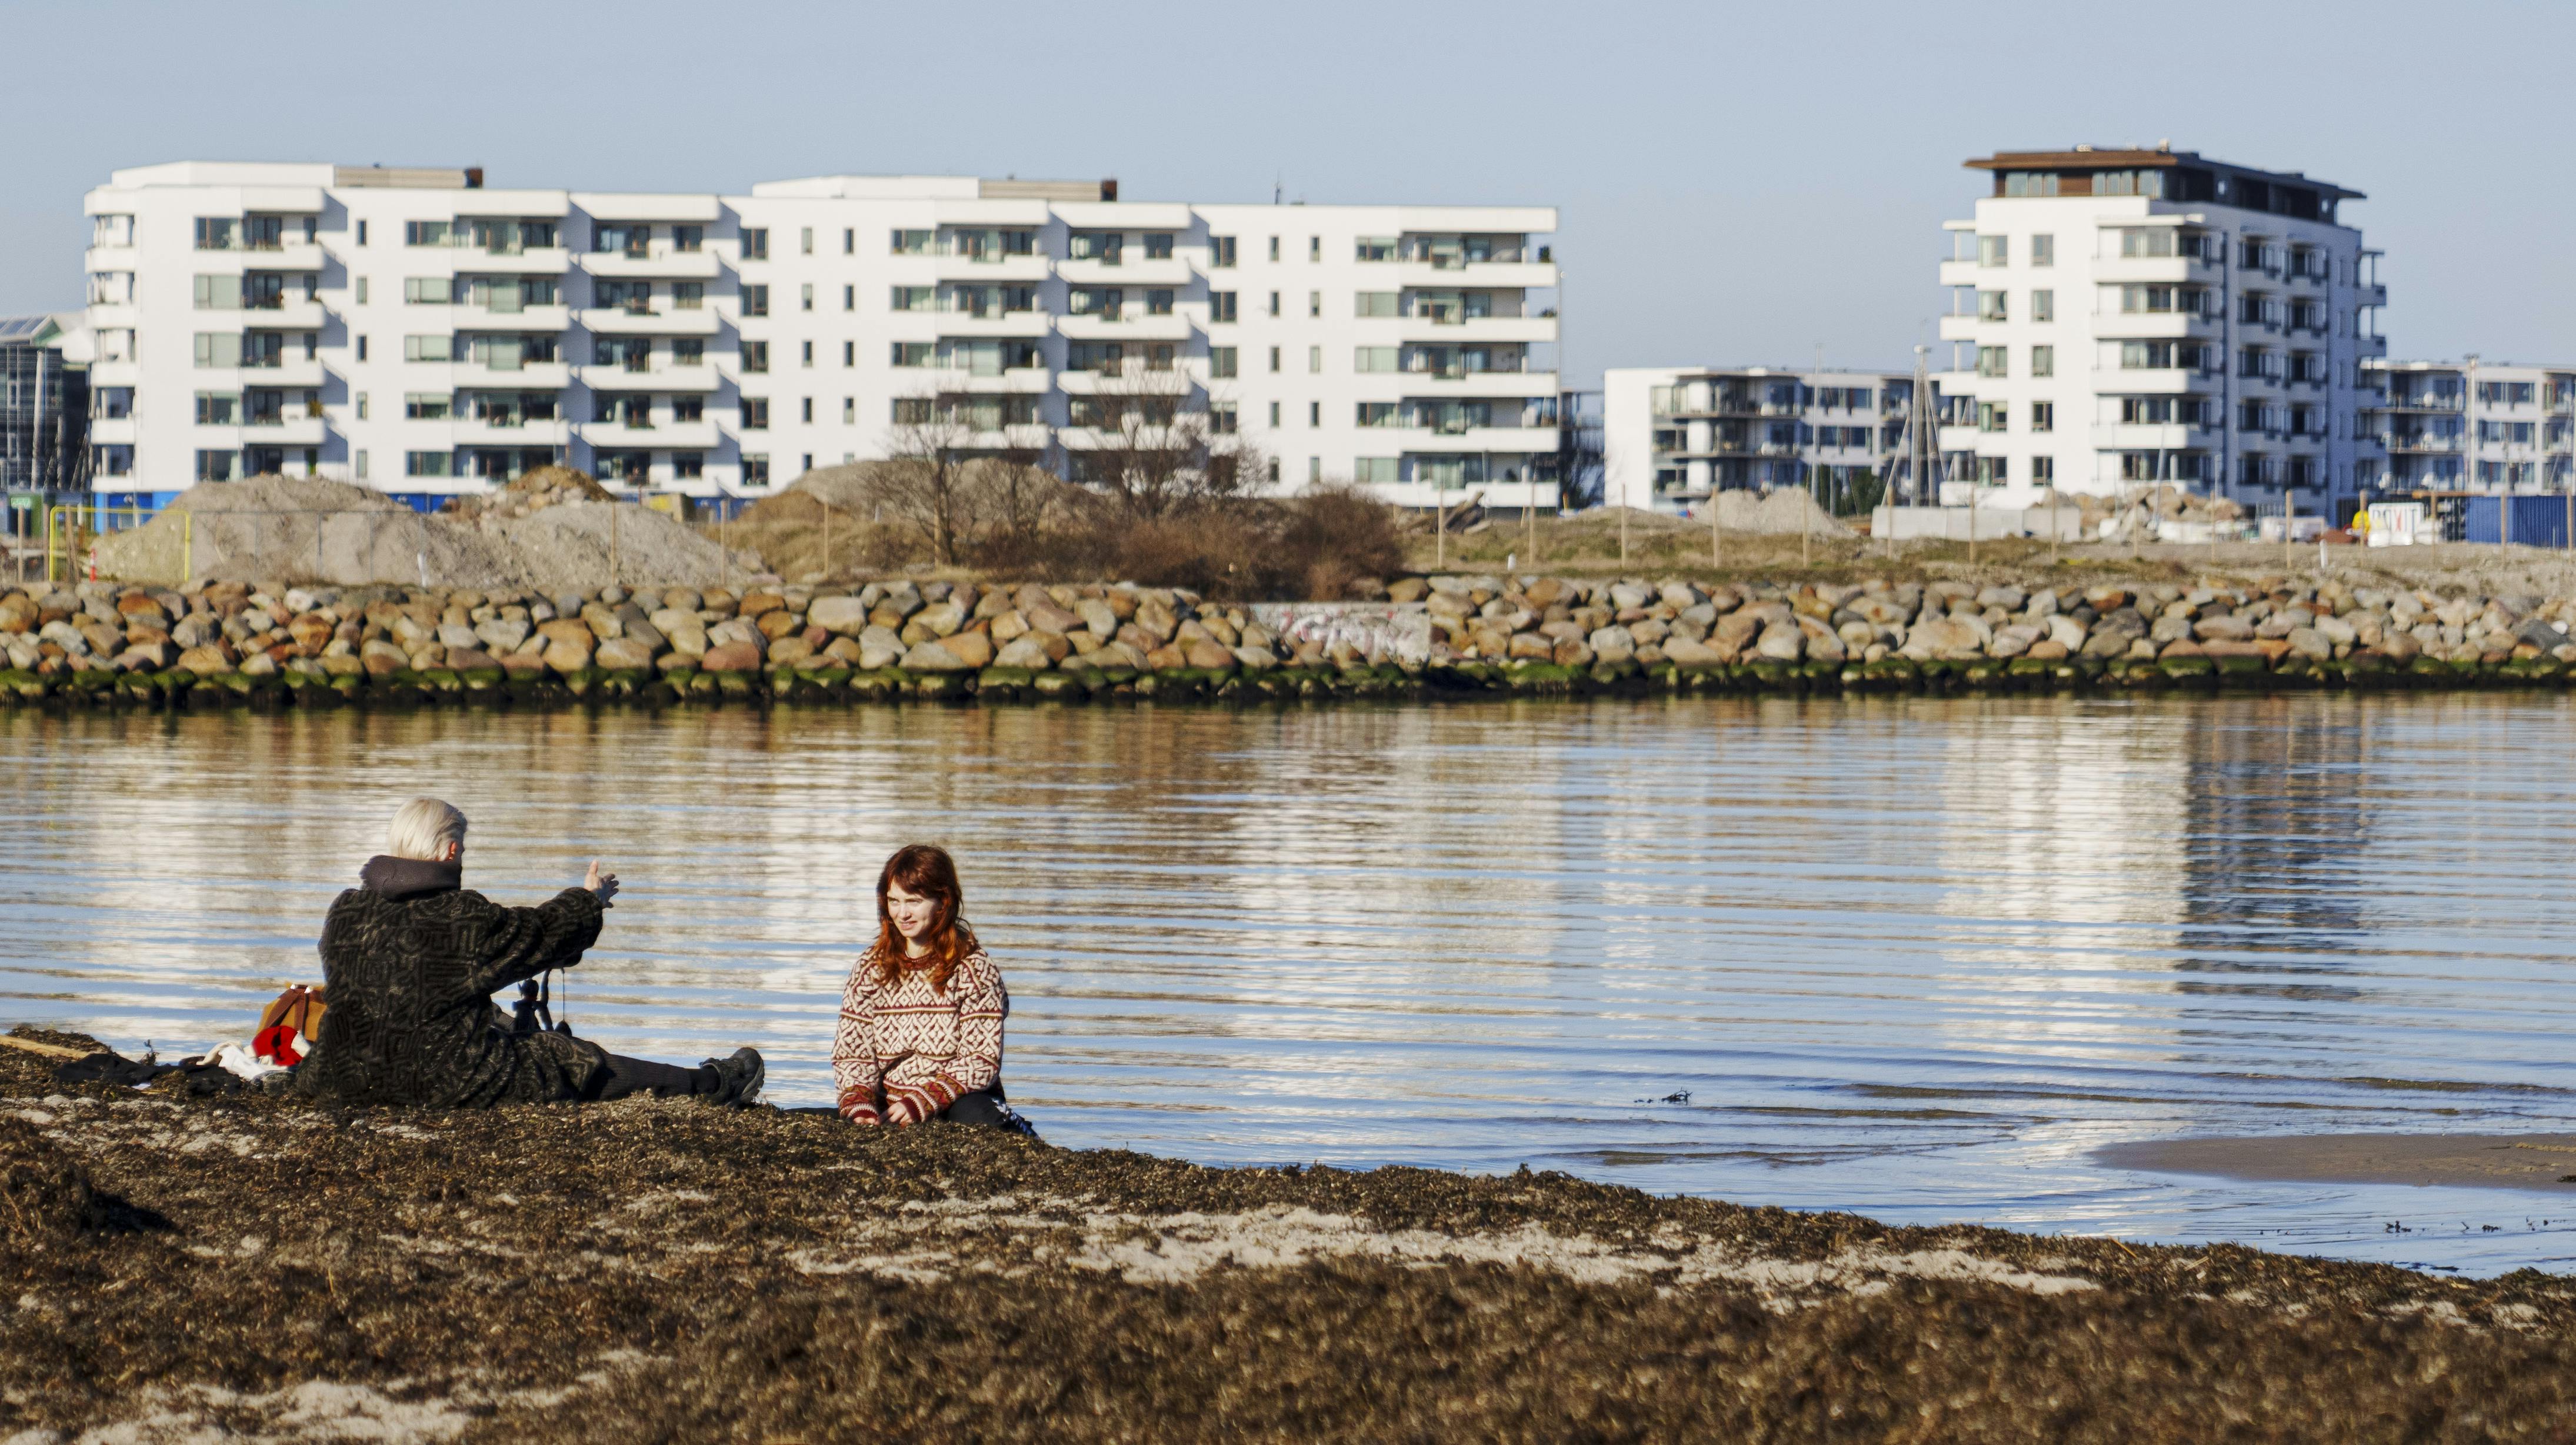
2117,158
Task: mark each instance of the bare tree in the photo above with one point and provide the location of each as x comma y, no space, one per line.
924,482
1154,448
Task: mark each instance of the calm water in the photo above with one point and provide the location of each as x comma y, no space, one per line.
1915,958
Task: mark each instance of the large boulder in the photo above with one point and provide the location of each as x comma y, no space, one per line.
2229,628
207,660
619,654
842,616
933,657
1946,637
1024,651
1781,642
1612,644
567,657
731,657
500,634
1683,652
975,649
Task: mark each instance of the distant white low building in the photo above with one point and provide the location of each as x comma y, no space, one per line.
424,334
2473,426
1673,434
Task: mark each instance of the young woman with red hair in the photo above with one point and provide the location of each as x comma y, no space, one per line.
921,1019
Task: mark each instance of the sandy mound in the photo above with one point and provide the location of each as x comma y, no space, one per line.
550,529
570,544
1783,513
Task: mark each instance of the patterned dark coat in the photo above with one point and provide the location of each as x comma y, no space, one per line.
410,961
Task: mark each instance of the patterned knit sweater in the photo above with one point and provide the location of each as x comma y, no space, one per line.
905,1051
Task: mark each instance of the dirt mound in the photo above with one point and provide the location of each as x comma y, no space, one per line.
1785,513
594,543
304,529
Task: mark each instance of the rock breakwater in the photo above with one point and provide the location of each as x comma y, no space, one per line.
223,643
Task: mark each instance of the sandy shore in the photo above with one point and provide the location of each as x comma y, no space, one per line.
175,1268
2482,1161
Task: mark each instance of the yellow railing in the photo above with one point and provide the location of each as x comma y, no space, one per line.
67,527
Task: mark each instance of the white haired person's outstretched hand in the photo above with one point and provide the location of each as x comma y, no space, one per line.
602,884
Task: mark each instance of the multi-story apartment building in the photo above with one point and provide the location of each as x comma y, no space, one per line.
1672,435
44,402
423,334
2133,315
2474,426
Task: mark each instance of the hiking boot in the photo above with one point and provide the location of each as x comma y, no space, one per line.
739,1077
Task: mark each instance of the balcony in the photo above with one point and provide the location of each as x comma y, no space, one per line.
1476,439
1433,330
294,371
2158,325
534,261
663,436
112,431
1022,325
686,265
1132,270
650,321
1470,275
1963,327
1464,384
1423,496
1132,324
700,378
292,313
2116,269
2373,294
293,428
2154,436
533,319
997,269
529,376
522,432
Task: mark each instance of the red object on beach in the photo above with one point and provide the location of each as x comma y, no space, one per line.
276,1044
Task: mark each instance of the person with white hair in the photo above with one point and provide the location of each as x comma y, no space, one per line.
411,959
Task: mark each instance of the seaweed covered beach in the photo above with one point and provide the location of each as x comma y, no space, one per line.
178,1268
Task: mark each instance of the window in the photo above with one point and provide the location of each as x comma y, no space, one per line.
1374,303
1314,248
1991,416
1314,470
1994,250
1314,303
1221,306
429,348
1274,471
2043,469
755,357
362,406
1314,413
1274,303
2043,361
362,348
1990,306
2043,306
1373,248
1990,361
755,247
2030,183
911,353
1158,245
806,414
219,293
362,459
1220,252
849,298
755,300
428,233
1274,361
912,298
214,466
2043,249
914,243
428,291
362,240
755,413
805,240
1105,247
806,303
849,241
686,239
2043,416
1373,358
2160,300
218,408
428,464
1315,360
849,354
688,295
849,410
755,469
362,290
688,408
428,406
1222,419
1376,413
1274,406
1158,302
1274,248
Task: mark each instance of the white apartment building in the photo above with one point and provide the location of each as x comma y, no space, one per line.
420,333
2134,315
2473,426
1673,434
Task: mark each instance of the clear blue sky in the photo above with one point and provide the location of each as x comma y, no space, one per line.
1739,183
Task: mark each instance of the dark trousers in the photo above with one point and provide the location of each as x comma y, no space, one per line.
984,1106
625,1076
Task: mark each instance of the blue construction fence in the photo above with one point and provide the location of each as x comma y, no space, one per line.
2528,521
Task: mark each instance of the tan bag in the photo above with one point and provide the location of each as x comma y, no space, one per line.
299,1010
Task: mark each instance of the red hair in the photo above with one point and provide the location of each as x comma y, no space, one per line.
926,871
